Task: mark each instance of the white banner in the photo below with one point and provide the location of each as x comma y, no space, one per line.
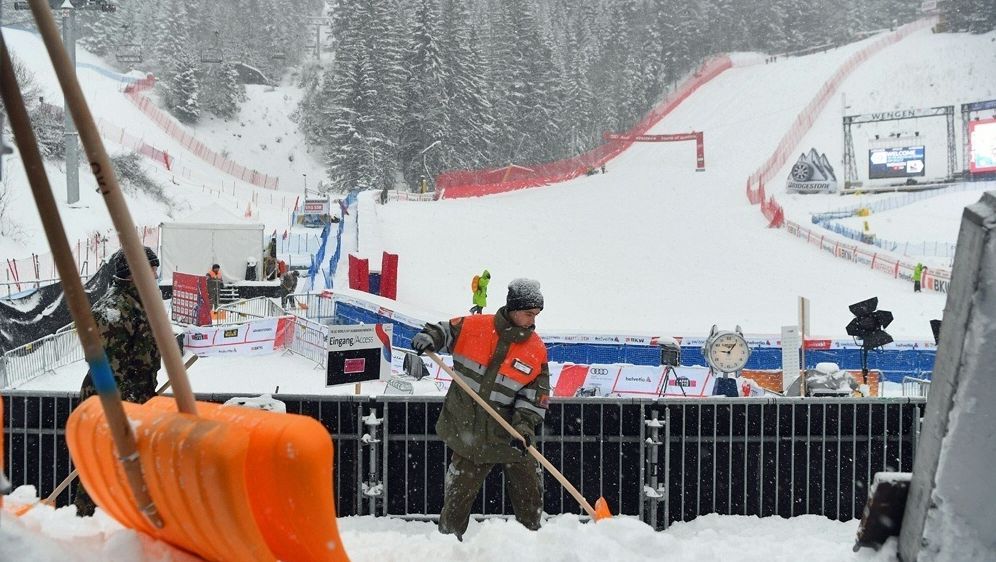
696,382
252,338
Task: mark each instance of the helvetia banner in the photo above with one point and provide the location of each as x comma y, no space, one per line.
252,338
358,353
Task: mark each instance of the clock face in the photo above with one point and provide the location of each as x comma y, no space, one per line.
728,352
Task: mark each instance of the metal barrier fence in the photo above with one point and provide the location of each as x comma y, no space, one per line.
916,388
21,364
247,310
659,460
309,340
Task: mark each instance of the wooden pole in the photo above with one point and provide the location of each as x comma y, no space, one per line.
108,186
512,431
79,306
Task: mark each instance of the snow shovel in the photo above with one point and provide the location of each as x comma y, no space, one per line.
50,500
601,509
196,469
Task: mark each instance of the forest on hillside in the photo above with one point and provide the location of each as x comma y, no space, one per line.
412,87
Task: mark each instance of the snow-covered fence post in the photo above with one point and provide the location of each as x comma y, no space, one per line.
373,487
655,492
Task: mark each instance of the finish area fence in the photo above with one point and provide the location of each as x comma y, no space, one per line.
659,460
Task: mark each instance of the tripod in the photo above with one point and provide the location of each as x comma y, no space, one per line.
668,372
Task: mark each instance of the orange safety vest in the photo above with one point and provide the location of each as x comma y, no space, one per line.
478,340
213,275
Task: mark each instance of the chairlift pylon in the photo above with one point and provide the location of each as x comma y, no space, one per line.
213,54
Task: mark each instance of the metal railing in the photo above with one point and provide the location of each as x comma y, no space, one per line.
659,460
21,364
247,310
314,306
310,340
915,388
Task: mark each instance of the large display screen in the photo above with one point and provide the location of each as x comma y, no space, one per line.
982,146
896,162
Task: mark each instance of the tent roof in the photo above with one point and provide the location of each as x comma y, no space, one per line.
214,213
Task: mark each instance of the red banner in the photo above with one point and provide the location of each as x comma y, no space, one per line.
191,304
389,276
475,183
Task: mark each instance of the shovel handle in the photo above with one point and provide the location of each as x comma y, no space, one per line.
508,427
75,296
100,165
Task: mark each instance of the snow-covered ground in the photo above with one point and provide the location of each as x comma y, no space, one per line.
652,246
47,535
192,183
649,247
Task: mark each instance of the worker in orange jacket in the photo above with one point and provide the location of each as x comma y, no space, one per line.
214,285
503,359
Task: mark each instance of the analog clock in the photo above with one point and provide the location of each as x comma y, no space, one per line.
725,351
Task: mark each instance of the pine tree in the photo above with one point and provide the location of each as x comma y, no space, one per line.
470,136
426,105
184,90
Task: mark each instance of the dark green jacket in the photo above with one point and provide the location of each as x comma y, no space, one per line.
131,349
466,427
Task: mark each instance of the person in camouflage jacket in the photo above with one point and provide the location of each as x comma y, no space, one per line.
128,342
503,359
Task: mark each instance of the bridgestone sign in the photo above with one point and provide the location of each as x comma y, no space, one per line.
811,173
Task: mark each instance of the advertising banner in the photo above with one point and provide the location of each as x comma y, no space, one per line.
315,212
982,146
191,304
639,380
358,353
691,382
896,162
252,338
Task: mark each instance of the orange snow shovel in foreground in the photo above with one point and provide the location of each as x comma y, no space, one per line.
601,509
181,478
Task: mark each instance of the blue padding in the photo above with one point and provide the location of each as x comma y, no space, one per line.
893,363
103,378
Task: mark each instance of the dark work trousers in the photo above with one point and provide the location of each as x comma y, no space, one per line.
464,479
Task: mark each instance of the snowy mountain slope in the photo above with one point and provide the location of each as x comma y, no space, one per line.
191,183
652,246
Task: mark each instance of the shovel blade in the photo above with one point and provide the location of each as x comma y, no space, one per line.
602,509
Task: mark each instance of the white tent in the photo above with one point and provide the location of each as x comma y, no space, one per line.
210,235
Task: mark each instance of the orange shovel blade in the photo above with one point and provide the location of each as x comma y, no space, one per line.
602,509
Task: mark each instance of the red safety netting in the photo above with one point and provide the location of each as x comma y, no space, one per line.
115,134
165,122
474,183
88,253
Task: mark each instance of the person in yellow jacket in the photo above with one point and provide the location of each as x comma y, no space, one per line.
502,358
481,293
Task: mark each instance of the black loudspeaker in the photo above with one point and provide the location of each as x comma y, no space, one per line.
935,326
864,307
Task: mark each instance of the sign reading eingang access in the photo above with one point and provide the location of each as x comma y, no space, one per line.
982,146
896,162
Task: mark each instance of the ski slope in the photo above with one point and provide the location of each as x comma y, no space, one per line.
191,183
654,247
